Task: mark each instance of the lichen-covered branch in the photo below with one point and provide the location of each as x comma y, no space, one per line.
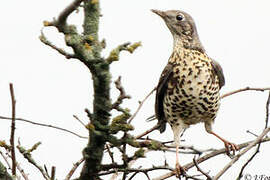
27,155
115,53
4,175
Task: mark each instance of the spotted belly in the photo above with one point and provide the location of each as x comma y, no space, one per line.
191,98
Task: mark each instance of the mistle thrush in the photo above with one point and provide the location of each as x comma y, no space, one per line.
188,89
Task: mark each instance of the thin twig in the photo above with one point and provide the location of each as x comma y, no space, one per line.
244,89
137,170
6,159
78,119
140,106
122,94
146,132
256,141
24,175
44,40
267,111
248,131
53,173
200,170
259,144
27,155
44,125
12,144
73,169
208,156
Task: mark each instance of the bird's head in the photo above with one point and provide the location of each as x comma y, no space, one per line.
181,26
179,22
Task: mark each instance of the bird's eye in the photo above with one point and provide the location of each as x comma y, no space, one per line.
179,17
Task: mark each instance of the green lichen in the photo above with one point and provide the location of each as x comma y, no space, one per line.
139,153
119,123
155,145
131,48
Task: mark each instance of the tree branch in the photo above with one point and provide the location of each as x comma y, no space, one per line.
27,155
140,106
122,95
244,89
256,141
208,156
73,169
12,144
259,144
43,39
44,125
200,170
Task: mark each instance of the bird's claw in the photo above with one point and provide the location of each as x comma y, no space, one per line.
231,147
180,171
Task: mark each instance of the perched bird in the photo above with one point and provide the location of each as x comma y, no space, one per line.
188,89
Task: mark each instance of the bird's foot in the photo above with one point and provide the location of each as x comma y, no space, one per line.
180,171
230,147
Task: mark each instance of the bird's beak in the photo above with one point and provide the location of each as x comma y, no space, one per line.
158,12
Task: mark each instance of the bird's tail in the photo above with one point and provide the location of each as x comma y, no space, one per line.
161,126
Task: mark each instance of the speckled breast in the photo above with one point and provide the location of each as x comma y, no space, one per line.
193,90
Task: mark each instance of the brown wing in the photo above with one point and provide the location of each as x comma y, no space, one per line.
160,93
218,72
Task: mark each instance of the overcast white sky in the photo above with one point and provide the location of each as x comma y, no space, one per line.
50,89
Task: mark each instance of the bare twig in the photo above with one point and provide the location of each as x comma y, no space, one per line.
259,144
140,106
53,173
44,125
200,170
6,159
248,131
208,156
110,153
244,89
267,111
24,175
146,132
137,170
122,95
73,169
12,144
78,119
43,39
256,141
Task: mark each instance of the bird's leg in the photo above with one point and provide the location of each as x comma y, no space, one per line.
228,145
179,169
